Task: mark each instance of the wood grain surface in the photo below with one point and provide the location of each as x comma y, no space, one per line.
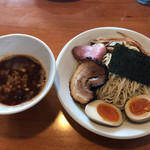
47,126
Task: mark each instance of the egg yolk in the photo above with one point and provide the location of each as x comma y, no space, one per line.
107,112
139,106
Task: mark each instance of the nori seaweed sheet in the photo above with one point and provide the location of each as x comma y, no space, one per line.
131,64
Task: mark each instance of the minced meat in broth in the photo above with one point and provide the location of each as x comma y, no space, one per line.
21,78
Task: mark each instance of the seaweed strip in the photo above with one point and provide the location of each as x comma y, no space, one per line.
131,64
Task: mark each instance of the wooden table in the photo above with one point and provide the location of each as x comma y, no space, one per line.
47,126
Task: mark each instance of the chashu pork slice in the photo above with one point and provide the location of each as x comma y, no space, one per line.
96,51
89,75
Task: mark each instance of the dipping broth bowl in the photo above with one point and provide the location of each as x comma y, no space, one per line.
22,44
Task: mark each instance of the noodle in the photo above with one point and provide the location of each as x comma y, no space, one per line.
118,90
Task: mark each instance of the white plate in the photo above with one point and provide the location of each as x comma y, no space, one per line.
66,65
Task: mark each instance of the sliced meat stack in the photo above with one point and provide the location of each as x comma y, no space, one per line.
89,75
96,51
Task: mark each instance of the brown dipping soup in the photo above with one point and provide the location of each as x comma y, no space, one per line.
22,77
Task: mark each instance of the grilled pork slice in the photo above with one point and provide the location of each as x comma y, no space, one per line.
96,51
89,75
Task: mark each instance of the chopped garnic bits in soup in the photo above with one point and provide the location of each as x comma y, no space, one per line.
22,77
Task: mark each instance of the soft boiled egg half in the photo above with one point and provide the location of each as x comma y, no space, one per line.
104,113
138,108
